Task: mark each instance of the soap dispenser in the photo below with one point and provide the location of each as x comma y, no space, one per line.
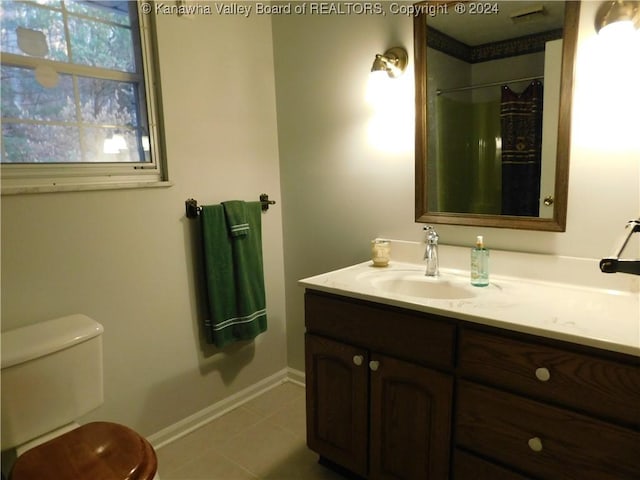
479,264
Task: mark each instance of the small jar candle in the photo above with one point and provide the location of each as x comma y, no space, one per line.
380,252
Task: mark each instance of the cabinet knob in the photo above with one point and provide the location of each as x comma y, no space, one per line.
535,444
543,374
358,359
374,365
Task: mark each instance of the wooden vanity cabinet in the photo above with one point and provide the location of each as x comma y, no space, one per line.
393,393
370,408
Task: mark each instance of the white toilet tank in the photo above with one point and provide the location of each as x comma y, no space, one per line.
51,375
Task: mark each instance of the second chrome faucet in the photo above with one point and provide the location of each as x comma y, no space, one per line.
431,252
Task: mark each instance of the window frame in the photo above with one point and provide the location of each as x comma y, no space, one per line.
20,178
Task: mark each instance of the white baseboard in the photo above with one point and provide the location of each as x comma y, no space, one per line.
295,376
204,416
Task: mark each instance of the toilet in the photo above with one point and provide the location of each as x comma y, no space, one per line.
52,375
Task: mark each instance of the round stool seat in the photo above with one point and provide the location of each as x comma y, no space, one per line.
95,451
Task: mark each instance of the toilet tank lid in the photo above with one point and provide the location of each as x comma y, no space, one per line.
33,341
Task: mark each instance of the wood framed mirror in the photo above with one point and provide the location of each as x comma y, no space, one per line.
493,112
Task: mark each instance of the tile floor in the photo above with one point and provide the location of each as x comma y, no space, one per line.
262,439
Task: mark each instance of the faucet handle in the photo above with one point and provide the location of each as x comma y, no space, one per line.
432,235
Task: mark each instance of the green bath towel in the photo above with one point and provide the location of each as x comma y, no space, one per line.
234,276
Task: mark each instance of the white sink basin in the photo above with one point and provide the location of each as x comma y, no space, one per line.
418,285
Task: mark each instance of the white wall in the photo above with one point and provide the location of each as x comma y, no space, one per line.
126,258
339,192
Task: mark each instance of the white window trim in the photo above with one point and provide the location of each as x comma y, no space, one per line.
40,178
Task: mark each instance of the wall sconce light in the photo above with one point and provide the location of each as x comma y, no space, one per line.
621,13
389,95
393,62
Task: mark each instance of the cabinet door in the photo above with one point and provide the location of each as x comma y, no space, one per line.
410,421
337,402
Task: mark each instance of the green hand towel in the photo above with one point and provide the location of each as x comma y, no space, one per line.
236,215
234,275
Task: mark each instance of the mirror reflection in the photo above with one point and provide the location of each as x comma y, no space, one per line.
490,101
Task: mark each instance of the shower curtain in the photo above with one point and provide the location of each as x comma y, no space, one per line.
452,150
468,166
521,122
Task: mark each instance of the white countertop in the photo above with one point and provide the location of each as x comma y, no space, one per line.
587,315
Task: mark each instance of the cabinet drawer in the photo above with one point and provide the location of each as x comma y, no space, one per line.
470,467
541,440
599,386
417,337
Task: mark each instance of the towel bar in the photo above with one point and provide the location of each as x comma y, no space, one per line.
193,209
614,263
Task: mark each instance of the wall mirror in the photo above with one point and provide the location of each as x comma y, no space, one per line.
493,112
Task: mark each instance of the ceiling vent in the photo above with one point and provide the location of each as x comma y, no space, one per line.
530,14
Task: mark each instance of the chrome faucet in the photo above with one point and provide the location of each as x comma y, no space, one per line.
431,252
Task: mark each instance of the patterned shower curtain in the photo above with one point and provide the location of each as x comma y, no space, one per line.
521,123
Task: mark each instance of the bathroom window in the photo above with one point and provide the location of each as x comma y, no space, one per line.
78,95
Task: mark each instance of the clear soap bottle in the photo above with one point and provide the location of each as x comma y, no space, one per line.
479,264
